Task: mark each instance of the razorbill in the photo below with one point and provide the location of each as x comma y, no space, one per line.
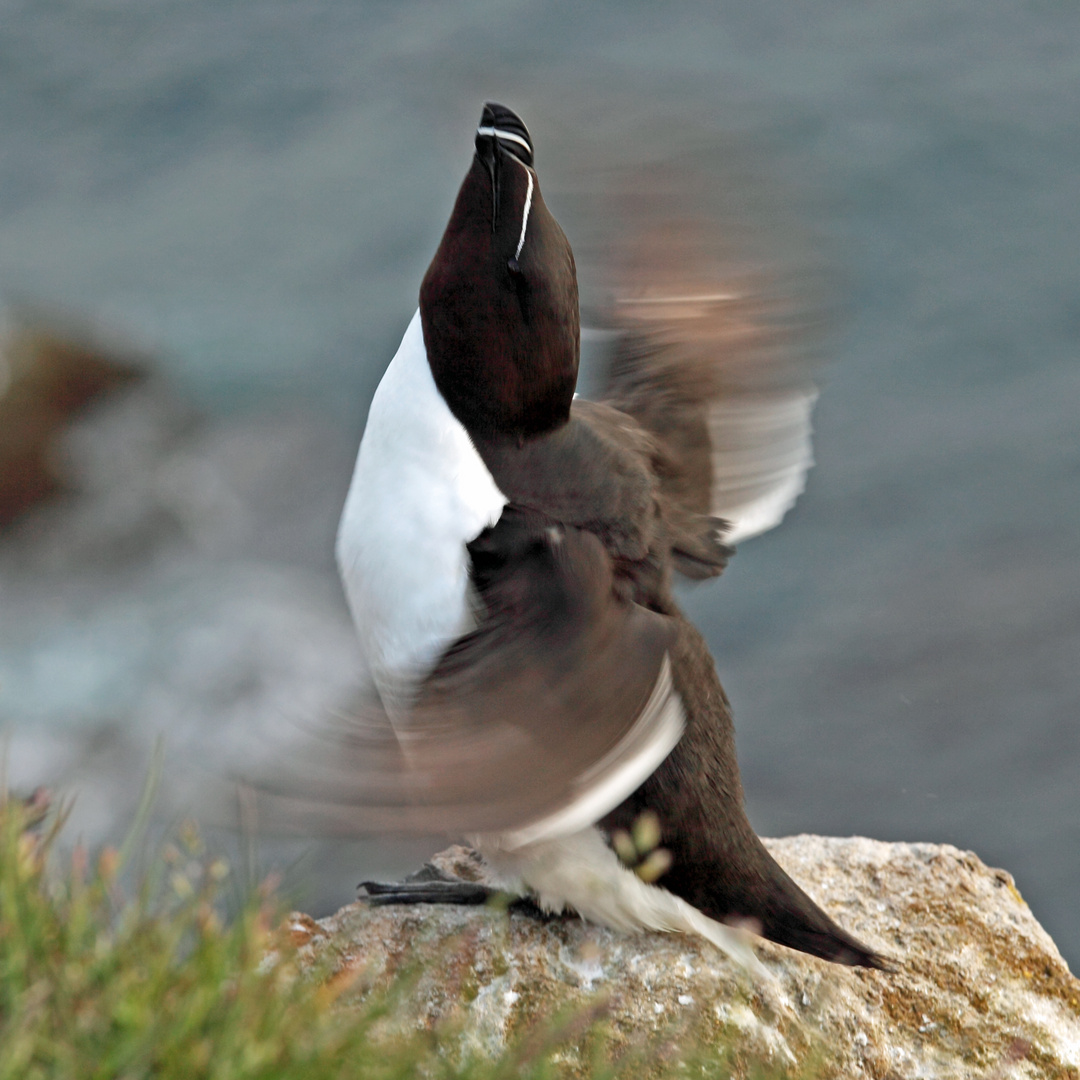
508,551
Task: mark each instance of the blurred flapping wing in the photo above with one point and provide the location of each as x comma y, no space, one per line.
537,723
711,349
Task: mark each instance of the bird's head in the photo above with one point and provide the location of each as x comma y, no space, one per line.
499,303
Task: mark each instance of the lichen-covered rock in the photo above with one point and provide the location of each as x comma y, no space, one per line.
978,990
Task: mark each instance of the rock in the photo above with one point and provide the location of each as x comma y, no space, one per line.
979,989
49,371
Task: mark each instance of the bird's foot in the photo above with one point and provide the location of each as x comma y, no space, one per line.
429,885
432,884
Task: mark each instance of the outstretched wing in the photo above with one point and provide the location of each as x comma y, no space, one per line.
711,317
705,359
536,724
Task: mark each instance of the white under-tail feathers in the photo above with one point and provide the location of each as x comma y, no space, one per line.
581,872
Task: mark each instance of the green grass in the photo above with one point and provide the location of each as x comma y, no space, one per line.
96,983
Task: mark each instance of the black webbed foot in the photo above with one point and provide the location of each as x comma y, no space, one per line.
429,885
432,885
428,892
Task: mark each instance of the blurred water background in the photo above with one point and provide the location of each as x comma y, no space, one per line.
252,192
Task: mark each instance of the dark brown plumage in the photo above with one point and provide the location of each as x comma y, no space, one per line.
580,672
599,472
518,336
718,863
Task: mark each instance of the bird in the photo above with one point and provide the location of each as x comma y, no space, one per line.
508,551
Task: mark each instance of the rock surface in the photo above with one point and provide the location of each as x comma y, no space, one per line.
979,988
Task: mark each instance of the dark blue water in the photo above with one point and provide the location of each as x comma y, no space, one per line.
255,190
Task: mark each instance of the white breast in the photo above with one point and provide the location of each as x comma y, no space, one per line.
419,493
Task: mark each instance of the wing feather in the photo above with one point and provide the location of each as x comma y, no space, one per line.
550,713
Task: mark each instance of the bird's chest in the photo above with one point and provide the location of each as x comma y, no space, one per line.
420,492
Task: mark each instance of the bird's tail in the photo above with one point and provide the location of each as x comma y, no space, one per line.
718,864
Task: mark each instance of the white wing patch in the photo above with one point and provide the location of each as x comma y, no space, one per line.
420,492
761,453
622,771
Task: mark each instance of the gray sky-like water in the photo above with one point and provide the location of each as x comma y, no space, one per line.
255,190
